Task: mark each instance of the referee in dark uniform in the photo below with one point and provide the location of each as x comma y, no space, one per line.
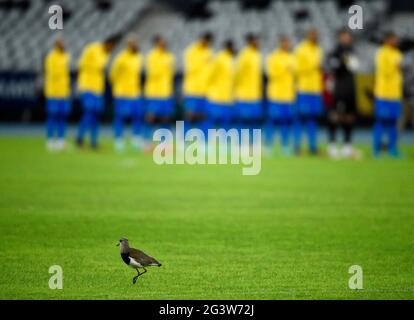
342,63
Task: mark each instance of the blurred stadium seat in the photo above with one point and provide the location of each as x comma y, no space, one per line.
26,38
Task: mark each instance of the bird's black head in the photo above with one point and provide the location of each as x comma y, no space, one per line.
123,241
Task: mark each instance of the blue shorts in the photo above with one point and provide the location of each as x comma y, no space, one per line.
129,107
220,111
91,102
194,104
58,106
309,104
280,110
387,109
160,107
249,110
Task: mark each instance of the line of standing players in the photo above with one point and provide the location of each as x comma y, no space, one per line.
223,90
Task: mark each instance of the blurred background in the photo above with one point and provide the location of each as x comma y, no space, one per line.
26,38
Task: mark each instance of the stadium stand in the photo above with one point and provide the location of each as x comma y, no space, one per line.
26,37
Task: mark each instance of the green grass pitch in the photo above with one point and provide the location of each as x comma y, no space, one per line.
291,232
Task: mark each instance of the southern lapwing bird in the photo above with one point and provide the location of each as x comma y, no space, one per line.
136,258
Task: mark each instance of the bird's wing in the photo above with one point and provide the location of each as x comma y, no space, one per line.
142,257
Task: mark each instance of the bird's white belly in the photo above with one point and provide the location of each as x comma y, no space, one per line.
133,263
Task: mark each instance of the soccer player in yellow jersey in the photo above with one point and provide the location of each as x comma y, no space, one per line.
309,107
91,85
388,94
248,84
160,66
125,78
220,91
281,95
197,58
57,93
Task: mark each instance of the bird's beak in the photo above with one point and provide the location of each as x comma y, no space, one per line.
117,244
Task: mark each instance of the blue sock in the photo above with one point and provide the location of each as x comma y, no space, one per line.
269,132
187,126
204,125
50,126
118,126
148,131
297,134
392,137
284,134
94,127
61,126
84,125
137,126
312,131
255,124
378,129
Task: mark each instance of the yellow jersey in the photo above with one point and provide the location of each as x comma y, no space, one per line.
160,66
221,78
248,82
280,66
57,75
196,60
125,74
92,65
308,57
388,76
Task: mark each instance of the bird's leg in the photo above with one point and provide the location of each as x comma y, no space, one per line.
136,277
145,270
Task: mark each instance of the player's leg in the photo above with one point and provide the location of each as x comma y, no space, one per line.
166,115
392,127
298,123
377,136
190,112
252,116
94,128
94,120
120,113
333,123
380,114
348,127
212,115
270,127
85,121
64,109
246,123
138,123
392,133
51,123
297,134
203,117
150,119
258,120
312,132
286,119
222,122
315,110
